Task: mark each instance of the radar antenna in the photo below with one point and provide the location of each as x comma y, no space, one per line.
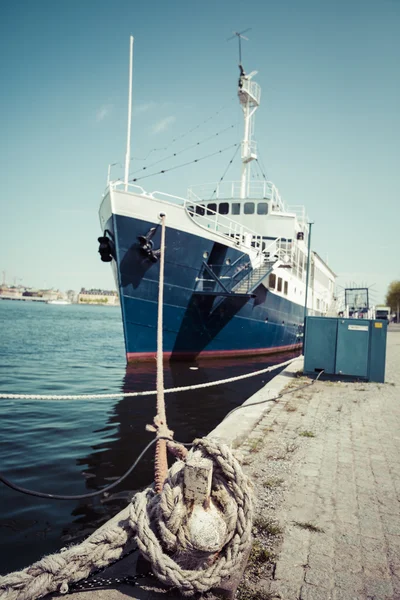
240,36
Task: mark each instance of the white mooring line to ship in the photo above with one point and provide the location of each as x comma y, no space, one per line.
185,388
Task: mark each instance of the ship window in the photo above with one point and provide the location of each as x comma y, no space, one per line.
285,287
279,288
262,208
223,208
200,209
191,210
236,208
210,208
272,281
249,208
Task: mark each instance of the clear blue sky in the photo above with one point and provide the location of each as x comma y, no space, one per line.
328,127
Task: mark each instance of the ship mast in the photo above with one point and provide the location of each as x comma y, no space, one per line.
249,93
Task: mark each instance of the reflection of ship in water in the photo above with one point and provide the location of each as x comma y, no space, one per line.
190,414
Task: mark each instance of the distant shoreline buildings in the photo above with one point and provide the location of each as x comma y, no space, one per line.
92,296
97,296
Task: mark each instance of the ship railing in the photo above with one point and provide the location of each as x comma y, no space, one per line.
213,221
204,217
300,212
212,191
231,190
230,274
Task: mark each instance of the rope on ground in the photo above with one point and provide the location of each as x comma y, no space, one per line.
158,522
185,388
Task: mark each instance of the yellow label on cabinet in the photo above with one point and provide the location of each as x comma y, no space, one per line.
378,325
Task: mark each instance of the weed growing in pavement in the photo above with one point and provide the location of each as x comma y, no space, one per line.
308,526
259,554
267,526
308,434
247,593
290,408
255,445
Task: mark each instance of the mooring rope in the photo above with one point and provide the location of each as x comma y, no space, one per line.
158,522
185,388
160,420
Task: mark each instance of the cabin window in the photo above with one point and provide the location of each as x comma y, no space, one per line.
249,208
211,208
223,208
235,208
272,281
262,208
200,209
279,288
191,210
285,287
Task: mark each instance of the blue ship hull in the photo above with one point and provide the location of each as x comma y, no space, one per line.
196,324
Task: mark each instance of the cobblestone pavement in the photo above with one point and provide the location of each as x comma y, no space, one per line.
341,514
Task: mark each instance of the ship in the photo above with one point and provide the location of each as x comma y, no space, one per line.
239,272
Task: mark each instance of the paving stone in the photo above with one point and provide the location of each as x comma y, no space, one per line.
352,583
311,592
348,559
391,524
345,594
322,545
347,535
381,589
319,571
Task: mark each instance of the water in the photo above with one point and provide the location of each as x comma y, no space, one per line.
75,447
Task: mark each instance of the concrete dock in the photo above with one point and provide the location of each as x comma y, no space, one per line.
334,448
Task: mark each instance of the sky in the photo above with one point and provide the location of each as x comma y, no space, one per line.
328,127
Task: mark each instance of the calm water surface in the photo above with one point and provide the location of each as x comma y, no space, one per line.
74,447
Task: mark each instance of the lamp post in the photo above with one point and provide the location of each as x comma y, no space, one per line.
307,280
308,269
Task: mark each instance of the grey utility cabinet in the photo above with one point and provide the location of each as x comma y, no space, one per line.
352,347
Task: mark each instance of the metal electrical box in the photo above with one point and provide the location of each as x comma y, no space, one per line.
353,347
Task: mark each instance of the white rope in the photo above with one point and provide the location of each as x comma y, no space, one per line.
158,522
196,386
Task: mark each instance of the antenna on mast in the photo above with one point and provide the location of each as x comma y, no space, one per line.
249,93
240,36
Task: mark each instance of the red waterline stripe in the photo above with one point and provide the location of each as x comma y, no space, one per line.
150,356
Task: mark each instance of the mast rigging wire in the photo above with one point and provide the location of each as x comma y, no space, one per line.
184,150
185,164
